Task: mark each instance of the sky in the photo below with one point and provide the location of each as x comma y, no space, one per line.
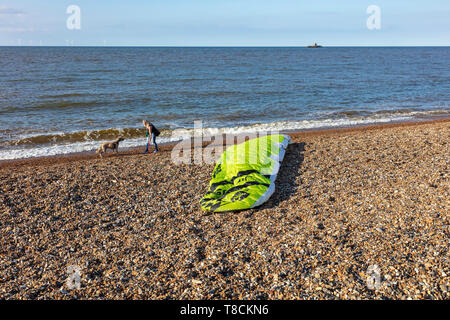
224,23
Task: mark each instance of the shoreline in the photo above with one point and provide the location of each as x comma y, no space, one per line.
167,146
347,201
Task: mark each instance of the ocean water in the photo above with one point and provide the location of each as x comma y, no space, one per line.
56,100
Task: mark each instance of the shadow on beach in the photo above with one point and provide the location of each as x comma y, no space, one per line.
286,184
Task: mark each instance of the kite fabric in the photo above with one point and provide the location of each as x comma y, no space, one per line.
244,177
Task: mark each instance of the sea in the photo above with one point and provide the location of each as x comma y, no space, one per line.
59,100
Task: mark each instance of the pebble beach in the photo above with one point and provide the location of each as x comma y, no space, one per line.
358,213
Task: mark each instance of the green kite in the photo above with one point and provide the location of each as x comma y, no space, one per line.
244,177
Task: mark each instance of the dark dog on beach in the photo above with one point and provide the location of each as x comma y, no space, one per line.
109,145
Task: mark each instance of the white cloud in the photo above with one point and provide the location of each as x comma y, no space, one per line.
12,21
4,10
13,29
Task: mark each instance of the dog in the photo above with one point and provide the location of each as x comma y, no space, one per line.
109,145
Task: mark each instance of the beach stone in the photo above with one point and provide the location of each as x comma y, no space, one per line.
346,199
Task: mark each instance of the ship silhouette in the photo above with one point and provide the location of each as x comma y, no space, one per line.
315,45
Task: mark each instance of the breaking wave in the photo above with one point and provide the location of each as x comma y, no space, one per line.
86,141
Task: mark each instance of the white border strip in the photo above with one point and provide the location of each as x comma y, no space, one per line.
273,176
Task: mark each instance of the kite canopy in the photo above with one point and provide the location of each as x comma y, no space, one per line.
245,175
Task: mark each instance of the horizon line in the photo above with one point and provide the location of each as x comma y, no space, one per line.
222,46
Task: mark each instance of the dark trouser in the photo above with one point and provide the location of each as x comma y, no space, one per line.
153,139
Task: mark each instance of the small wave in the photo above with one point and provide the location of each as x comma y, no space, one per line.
384,113
188,80
63,95
350,114
103,71
10,109
64,143
79,136
66,105
413,113
53,150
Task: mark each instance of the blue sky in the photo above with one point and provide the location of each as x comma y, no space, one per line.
225,23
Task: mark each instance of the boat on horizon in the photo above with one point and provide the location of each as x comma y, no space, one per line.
315,45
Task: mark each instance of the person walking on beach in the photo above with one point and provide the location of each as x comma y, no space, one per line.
151,133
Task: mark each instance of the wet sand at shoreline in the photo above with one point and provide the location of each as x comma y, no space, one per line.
347,201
